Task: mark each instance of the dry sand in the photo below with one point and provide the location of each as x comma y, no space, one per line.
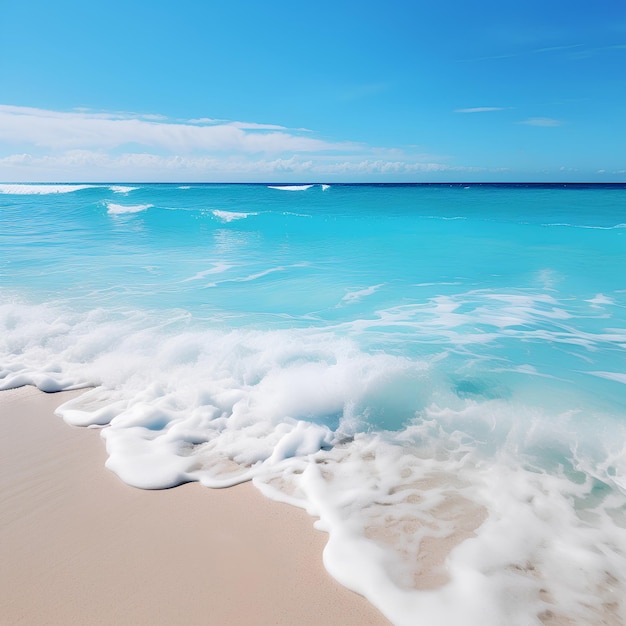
78,546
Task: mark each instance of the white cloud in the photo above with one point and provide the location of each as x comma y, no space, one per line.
17,159
479,110
205,120
99,166
523,53
557,48
83,145
255,126
541,121
380,166
145,161
81,130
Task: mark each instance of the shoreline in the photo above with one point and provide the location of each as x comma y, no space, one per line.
80,546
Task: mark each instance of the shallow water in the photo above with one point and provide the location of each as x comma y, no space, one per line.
436,372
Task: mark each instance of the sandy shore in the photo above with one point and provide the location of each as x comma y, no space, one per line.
78,546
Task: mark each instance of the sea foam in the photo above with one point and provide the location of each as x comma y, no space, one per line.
290,187
122,189
230,216
224,407
121,209
41,189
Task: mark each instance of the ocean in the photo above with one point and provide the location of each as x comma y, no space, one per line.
436,373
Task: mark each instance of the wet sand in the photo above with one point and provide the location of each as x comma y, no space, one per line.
78,546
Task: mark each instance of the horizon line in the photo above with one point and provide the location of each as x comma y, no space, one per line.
321,182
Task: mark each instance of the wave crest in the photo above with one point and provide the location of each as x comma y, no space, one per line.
230,216
41,189
290,187
120,209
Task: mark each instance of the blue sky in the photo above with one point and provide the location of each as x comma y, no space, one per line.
330,91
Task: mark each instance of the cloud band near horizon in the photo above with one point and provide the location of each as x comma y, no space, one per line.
39,144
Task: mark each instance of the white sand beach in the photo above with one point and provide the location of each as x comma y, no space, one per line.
78,546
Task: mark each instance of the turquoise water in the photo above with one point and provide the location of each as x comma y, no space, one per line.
323,242
460,344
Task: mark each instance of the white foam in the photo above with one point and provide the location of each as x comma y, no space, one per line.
257,275
442,217
355,296
619,377
295,214
120,209
230,216
122,189
479,511
586,226
325,187
290,187
23,189
599,300
218,268
484,543
456,320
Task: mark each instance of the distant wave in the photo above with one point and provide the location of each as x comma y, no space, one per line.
605,227
437,283
443,217
122,188
295,214
585,226
290,187
185,187
24,190
230,216
325,187
120,209
43,189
